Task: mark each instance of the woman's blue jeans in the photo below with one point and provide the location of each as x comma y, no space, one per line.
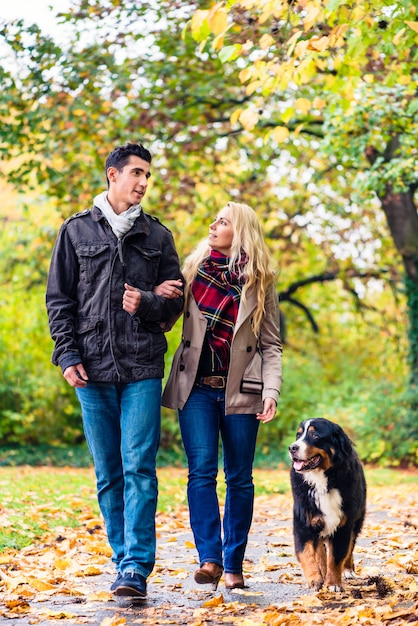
122,428
202,420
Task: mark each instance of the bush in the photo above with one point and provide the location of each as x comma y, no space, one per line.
385,426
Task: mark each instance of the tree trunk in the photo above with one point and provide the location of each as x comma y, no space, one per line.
402,219
412,299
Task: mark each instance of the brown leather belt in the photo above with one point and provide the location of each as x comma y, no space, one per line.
217,382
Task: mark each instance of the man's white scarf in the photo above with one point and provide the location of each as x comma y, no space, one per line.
119,223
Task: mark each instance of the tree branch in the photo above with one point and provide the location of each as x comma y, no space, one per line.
326,276
287,295
307,312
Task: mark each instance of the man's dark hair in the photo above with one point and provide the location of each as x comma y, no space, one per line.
119,157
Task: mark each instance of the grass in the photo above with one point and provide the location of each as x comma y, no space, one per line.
79,456
41,455
38,500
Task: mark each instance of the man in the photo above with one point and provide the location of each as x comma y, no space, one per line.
106,320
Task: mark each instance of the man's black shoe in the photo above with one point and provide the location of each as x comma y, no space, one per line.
115,582
131,585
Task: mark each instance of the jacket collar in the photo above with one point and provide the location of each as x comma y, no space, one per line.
142,223
245,310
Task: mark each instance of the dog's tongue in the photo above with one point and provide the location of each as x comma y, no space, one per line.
298,465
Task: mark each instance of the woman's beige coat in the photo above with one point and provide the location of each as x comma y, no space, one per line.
250,363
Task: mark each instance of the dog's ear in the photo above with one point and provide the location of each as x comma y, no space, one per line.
341,442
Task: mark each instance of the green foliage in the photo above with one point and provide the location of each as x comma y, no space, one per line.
338,78
371,120
41,455
412,295
171,450
382,421
34,407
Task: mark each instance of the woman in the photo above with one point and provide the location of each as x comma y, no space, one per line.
225,380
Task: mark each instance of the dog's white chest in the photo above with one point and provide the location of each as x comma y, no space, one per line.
328,502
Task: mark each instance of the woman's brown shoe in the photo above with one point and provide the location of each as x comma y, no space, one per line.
234,581
209,573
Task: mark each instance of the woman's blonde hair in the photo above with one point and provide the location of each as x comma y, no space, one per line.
248,240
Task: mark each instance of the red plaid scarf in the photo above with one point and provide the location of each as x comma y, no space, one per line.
217,292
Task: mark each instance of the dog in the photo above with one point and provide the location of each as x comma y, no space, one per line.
329,502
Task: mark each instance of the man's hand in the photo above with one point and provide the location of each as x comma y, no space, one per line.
269,411
76,375
169,289
131,299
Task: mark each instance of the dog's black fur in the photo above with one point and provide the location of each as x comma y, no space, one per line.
329,502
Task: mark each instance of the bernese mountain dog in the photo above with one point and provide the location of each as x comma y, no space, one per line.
329,502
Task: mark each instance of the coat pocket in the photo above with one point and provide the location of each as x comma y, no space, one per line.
94,260
90,338
251,381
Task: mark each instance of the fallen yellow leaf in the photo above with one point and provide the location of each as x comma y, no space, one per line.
17,604
113,621
4,558
101,596
40,585
62,564
89,571
58,615
214,601
308,601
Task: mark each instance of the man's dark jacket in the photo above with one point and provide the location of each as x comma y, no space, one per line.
89,267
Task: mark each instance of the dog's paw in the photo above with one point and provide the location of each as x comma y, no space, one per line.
349,574
315,584
335,588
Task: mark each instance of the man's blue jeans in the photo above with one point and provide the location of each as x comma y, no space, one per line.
122,428
201,421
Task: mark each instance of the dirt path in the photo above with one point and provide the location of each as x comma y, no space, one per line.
79,575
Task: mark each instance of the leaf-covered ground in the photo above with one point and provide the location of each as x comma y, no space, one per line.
65,577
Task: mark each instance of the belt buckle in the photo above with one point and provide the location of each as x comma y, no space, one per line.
220,384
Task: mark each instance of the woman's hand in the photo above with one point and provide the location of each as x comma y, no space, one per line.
169,289
269,411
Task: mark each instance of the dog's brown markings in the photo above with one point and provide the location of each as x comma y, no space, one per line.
333,578
325,462
314,564
319,565
317,522
343,521
349,561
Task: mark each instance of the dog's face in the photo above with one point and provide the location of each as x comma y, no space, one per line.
317,442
